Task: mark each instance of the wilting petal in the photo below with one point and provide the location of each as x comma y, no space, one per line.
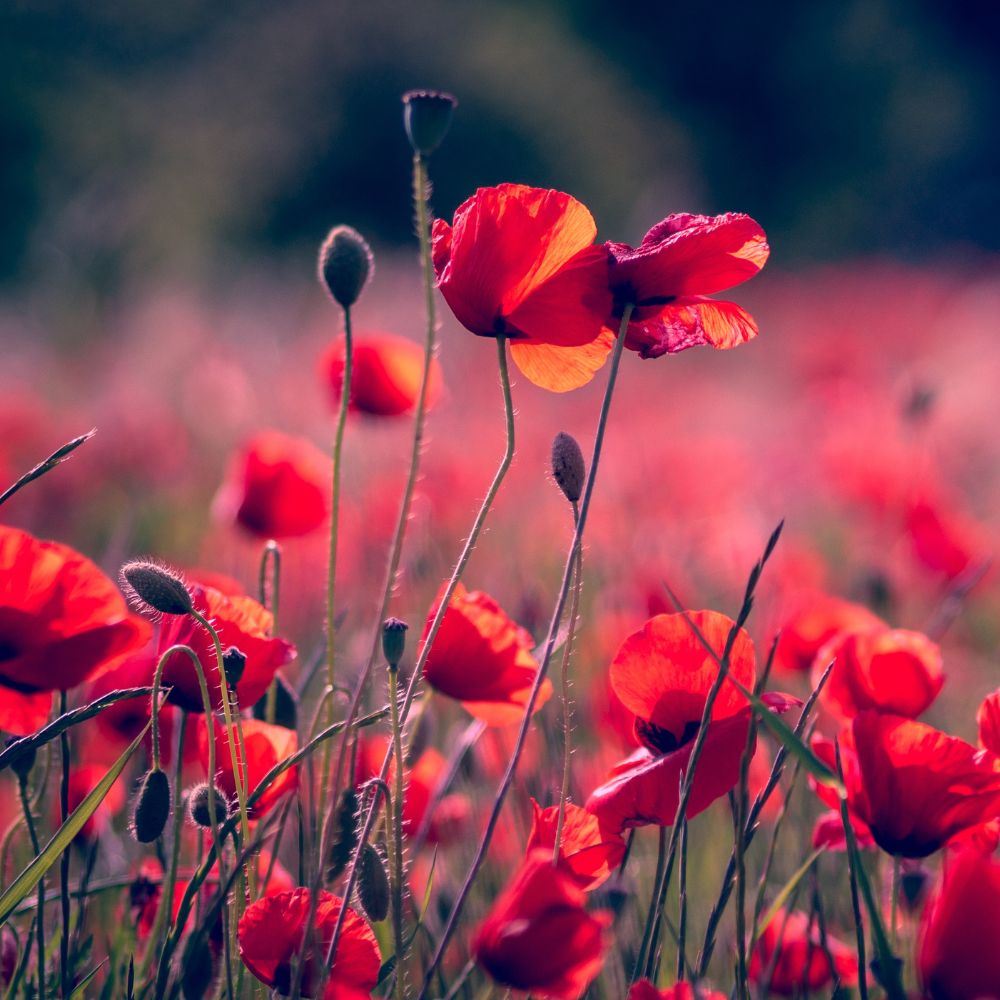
690,322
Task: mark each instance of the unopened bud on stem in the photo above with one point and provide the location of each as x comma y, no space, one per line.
393,641
156,586
568,467
427,117
345,264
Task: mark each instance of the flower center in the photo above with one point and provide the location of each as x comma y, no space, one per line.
663,741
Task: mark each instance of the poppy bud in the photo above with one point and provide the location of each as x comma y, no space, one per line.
160,588
22,763
197,969
373,884
568,467
152,806
427,117
234,662
286,708
197,805
345,264
913,885
347,833
393,641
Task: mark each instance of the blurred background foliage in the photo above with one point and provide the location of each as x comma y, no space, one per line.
185,140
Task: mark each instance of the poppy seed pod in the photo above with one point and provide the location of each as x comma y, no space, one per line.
197,805
393,641
347,832
568,467
373,884
234,662
152,806
427,118
156,586
345,265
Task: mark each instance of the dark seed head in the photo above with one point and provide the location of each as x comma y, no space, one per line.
345,264
568,467
393,640
427,117
234,662
152,806
373,884
156,586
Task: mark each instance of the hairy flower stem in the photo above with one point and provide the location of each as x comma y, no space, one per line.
396,834
567,708
423,216
852,857
269,586
29,822
543,666
449,590
64,940
331,586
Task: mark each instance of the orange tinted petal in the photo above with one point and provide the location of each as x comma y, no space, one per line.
561,369
691,322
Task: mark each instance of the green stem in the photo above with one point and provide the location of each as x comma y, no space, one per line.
567,708
64,858
269,587
29,822
397,836
543,666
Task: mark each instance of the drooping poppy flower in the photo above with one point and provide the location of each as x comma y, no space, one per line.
680,261
266,745
587,851
62,621
957,955
271,932
663,675
538,937
645,990
883,669
520,262
802,963
482,658
915,787
813,624
240,622
277,486
988,719
385,374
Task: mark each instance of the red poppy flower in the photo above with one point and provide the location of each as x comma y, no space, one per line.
645,990
62,621
538,937
266,745
271,932
240,622
680,261
988,718
587,851
815,622
83,779
914,786
385,375
884,669
520,261
957,956
483,659
277,487
828,832
663,674
802,964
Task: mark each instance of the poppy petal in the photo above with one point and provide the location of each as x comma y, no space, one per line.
561,369
691,322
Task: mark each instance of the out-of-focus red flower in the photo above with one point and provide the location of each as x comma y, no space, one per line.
941,542
914,786
62,621
957,956
385,374
240,622
271,933
802,961
519,261
83,778
815,622
883,669
663,674
266,745
828,832
645,990
277,486
988,718
538,937
482,658
587,851
680,261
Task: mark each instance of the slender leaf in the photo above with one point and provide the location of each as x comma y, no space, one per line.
32,875
788,889
57,457
80,990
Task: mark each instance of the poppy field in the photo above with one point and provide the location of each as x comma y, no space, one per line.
527,614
